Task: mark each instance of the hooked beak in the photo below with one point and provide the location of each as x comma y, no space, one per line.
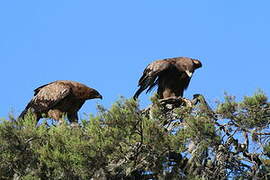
99,96
189,73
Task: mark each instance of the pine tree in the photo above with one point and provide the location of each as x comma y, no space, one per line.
172,139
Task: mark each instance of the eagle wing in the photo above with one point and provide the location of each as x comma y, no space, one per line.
150,74
48,96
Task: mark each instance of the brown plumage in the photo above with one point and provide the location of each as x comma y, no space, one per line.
172,76
59,98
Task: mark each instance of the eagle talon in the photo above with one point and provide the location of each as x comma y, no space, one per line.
174,102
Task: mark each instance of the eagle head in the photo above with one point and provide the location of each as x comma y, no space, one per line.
195,65
95,94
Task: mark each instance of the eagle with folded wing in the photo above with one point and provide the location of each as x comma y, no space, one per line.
172,76
59,98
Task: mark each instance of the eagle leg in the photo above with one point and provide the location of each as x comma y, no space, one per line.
72,117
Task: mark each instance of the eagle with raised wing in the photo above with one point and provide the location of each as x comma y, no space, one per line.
59,98
172,76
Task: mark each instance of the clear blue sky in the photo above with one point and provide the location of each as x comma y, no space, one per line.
107,44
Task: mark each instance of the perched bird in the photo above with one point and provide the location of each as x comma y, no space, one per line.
59,98
172,76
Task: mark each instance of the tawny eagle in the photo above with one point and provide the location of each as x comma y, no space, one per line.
59,98
172,76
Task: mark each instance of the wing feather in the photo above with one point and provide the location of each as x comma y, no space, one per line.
39,88
48,96
150,76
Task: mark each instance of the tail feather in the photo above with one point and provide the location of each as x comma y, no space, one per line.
28,109
144,83
29,112
24,112
138,92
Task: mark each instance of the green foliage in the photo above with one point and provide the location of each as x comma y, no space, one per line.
252,112
125,142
